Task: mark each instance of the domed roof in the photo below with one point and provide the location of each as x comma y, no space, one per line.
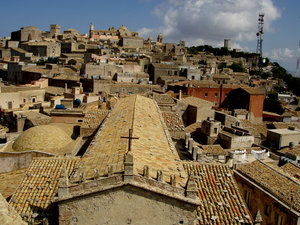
150,38
123,27
45,138
160,35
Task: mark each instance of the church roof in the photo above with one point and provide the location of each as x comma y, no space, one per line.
93,118
153,148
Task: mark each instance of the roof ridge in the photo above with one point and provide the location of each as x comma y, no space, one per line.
297,183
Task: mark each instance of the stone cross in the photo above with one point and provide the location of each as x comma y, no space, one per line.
130,138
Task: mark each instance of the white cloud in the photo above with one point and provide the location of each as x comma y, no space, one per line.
281,54
199,21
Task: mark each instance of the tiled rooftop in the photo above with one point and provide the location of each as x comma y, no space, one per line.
93,118
40,185
153,148
107,147
35,117
173,121
295,151
221,201
162,99
194,101
193,127
274,182
292,169
282,125
256,129
10,181
213,149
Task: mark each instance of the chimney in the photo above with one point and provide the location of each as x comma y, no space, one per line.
66,87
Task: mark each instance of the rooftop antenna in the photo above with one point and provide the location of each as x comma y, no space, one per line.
298,62
259,34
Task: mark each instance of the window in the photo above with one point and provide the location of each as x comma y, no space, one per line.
268,210
175,72
33,99
216,94
279,219
169,72
79,121
247,198
215,130
9,105
206,94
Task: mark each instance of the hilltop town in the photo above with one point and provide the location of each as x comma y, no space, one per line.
110,128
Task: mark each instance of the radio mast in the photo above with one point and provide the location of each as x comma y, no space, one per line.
259,34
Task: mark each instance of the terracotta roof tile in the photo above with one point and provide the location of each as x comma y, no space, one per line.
213,149
153,148
163,99
93,118
292,169
173,121
40,185
221,201
274,182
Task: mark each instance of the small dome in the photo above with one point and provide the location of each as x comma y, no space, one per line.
46,138
150,39
160,35
123,27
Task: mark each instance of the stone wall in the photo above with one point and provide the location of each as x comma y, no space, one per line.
231,141
11,161
125,205
260,200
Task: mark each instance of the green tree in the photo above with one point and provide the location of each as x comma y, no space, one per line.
272,104
237,67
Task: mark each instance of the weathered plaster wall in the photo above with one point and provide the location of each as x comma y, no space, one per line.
127,205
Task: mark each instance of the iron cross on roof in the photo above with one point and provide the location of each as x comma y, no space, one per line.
129,139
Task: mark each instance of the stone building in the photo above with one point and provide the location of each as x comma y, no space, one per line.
235,138
157,70
128,175
251,99
136,167
29,33
194,109
128,38
270,192
204,89
12,97
279,138
43,48
132,42
209,131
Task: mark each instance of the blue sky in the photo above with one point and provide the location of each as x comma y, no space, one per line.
195,21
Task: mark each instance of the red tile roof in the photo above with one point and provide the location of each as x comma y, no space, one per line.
221,201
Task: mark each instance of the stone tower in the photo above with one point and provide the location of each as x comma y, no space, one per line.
91,30
160,38
54,30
